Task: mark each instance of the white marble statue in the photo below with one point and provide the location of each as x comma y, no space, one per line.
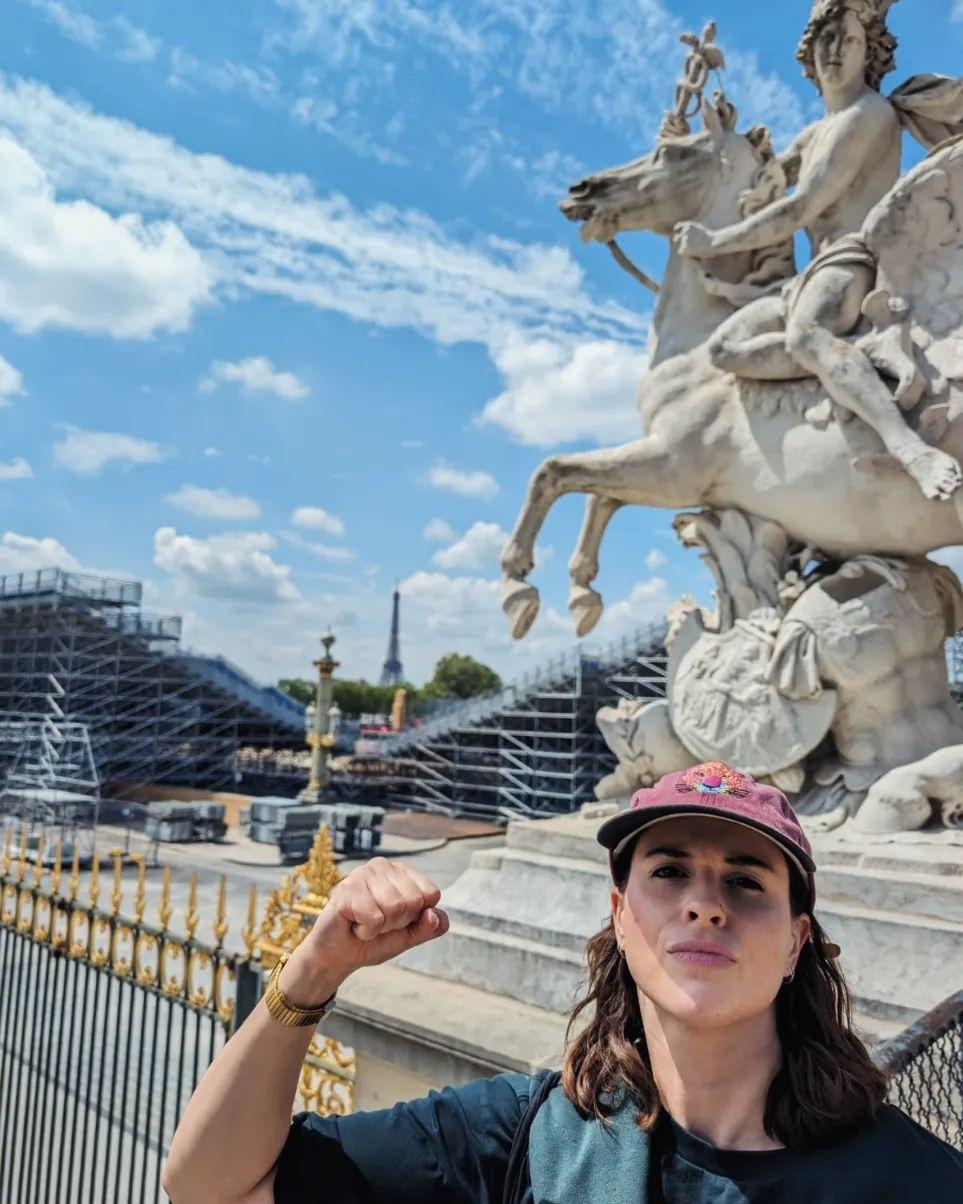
810,419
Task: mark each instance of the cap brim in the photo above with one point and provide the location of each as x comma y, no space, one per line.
616,833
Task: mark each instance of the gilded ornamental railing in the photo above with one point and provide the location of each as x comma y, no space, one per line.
108,1021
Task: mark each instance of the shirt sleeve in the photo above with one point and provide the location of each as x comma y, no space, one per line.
451,1147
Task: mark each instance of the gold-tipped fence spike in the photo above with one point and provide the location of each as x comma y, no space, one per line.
116,895
7,851
220,920
95,880
75,874
192,919
22,854
140,897
249,933
38,864
57,871
165,909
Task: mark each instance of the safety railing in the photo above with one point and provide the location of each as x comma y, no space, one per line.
925,1069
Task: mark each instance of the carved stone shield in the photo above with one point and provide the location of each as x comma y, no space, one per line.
723,708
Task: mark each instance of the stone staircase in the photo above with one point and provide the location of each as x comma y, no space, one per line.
521,915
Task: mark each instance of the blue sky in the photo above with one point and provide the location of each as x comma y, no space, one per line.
287,313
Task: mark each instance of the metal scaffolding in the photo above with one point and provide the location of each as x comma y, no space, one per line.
75,648
532,749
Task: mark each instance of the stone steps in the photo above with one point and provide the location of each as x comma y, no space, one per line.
507,965
521,914
446,1032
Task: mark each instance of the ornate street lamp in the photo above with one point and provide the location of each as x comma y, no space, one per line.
322,720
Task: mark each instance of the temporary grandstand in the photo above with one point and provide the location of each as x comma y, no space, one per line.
533,748
81,666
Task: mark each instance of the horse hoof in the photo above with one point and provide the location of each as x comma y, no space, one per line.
520,603
586,607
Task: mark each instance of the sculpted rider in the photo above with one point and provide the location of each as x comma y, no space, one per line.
841,167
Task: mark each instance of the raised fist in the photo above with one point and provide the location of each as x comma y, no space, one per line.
377,912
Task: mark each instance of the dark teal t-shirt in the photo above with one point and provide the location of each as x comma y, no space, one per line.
452,1147
890,1159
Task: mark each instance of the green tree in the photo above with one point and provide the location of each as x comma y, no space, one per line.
300,690
458,676
353,697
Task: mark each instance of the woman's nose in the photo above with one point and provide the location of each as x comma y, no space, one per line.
705,903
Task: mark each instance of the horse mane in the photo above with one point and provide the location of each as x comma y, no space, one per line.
767,264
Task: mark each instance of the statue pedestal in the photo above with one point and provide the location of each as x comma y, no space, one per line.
494,994
521,915
420,1032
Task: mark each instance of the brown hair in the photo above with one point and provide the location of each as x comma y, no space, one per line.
880,43
826,1082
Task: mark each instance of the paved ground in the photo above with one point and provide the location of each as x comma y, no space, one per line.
245,863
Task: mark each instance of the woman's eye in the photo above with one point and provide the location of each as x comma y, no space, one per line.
751,883
661,872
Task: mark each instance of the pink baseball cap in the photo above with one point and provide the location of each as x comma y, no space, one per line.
717,790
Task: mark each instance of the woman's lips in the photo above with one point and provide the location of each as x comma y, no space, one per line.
694,958
702,953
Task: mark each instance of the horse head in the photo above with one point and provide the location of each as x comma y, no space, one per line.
715,176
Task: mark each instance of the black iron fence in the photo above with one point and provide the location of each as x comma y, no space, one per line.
925,1068
106,1025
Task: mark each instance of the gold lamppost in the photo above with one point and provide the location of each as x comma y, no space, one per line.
321,718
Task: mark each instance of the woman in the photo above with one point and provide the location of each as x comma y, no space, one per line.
718,1064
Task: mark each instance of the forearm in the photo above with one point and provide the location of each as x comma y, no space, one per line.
237,1120
775,224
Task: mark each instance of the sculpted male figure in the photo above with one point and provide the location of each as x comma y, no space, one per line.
841,166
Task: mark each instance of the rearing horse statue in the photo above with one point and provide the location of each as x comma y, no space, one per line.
779,450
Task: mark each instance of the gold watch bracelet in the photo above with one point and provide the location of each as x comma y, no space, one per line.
283,1010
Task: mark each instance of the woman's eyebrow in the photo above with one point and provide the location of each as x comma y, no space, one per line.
746,859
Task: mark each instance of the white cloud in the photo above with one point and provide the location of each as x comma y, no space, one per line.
558,392
236,566
958,11
87,452
272,234
255,375
448,603
116,35
225,76
212,453
473,483
438,531
314,518
72,264
412,443
321,550
24,554
15,470
479,548
321,113
11,382
214,503
655,560
647,602
535,49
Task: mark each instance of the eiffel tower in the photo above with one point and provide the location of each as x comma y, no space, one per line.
392,673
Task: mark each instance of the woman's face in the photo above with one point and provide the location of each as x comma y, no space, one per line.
840,52
703,881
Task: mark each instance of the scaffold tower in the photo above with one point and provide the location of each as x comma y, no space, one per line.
76,649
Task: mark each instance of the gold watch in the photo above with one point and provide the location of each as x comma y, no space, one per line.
281,1007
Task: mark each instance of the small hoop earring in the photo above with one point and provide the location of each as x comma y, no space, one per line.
791,975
